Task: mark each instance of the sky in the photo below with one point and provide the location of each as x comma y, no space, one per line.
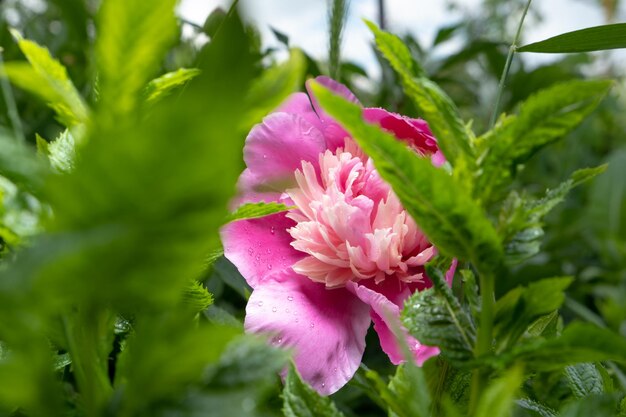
304,21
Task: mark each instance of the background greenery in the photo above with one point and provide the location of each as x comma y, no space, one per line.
111,280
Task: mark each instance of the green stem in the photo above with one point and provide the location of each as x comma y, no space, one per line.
507,67
485,337
86,333
10,102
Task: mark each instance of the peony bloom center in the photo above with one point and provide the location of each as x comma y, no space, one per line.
351,224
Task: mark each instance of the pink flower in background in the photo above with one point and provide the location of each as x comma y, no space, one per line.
347,255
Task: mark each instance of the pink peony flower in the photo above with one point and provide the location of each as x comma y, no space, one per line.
347,255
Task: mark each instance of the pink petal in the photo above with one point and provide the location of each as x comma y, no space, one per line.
325,328
414,131
450,272
333,132
385,299
300,104
275,148
260,247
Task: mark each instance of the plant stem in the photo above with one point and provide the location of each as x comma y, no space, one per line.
336,20
484,338
10,102
507,67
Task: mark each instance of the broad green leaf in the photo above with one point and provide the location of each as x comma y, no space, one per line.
520,307
584,379
300,400
48,79
256,210
274,85
162,86
445,212
133,36
545,117
498,398
435,318
520,220
597,38
432,102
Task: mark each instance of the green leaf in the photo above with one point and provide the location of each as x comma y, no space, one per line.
47,79
133,37
435,318
520,307
161,87
433,103
248,360
593,405
584,379
62,152
607,214
597,38
20,164
213,21
274,85
579,342
197,297
409,384
300,400
256,210
497,399
164,355
540,409
445,212
544,118
520,220
280,36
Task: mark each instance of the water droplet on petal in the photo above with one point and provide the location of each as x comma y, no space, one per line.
272,230
264,156
286,310
323,384
260,303
311,325
279,341
268,251
290,298
274,309
250,251
269,266
257,257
